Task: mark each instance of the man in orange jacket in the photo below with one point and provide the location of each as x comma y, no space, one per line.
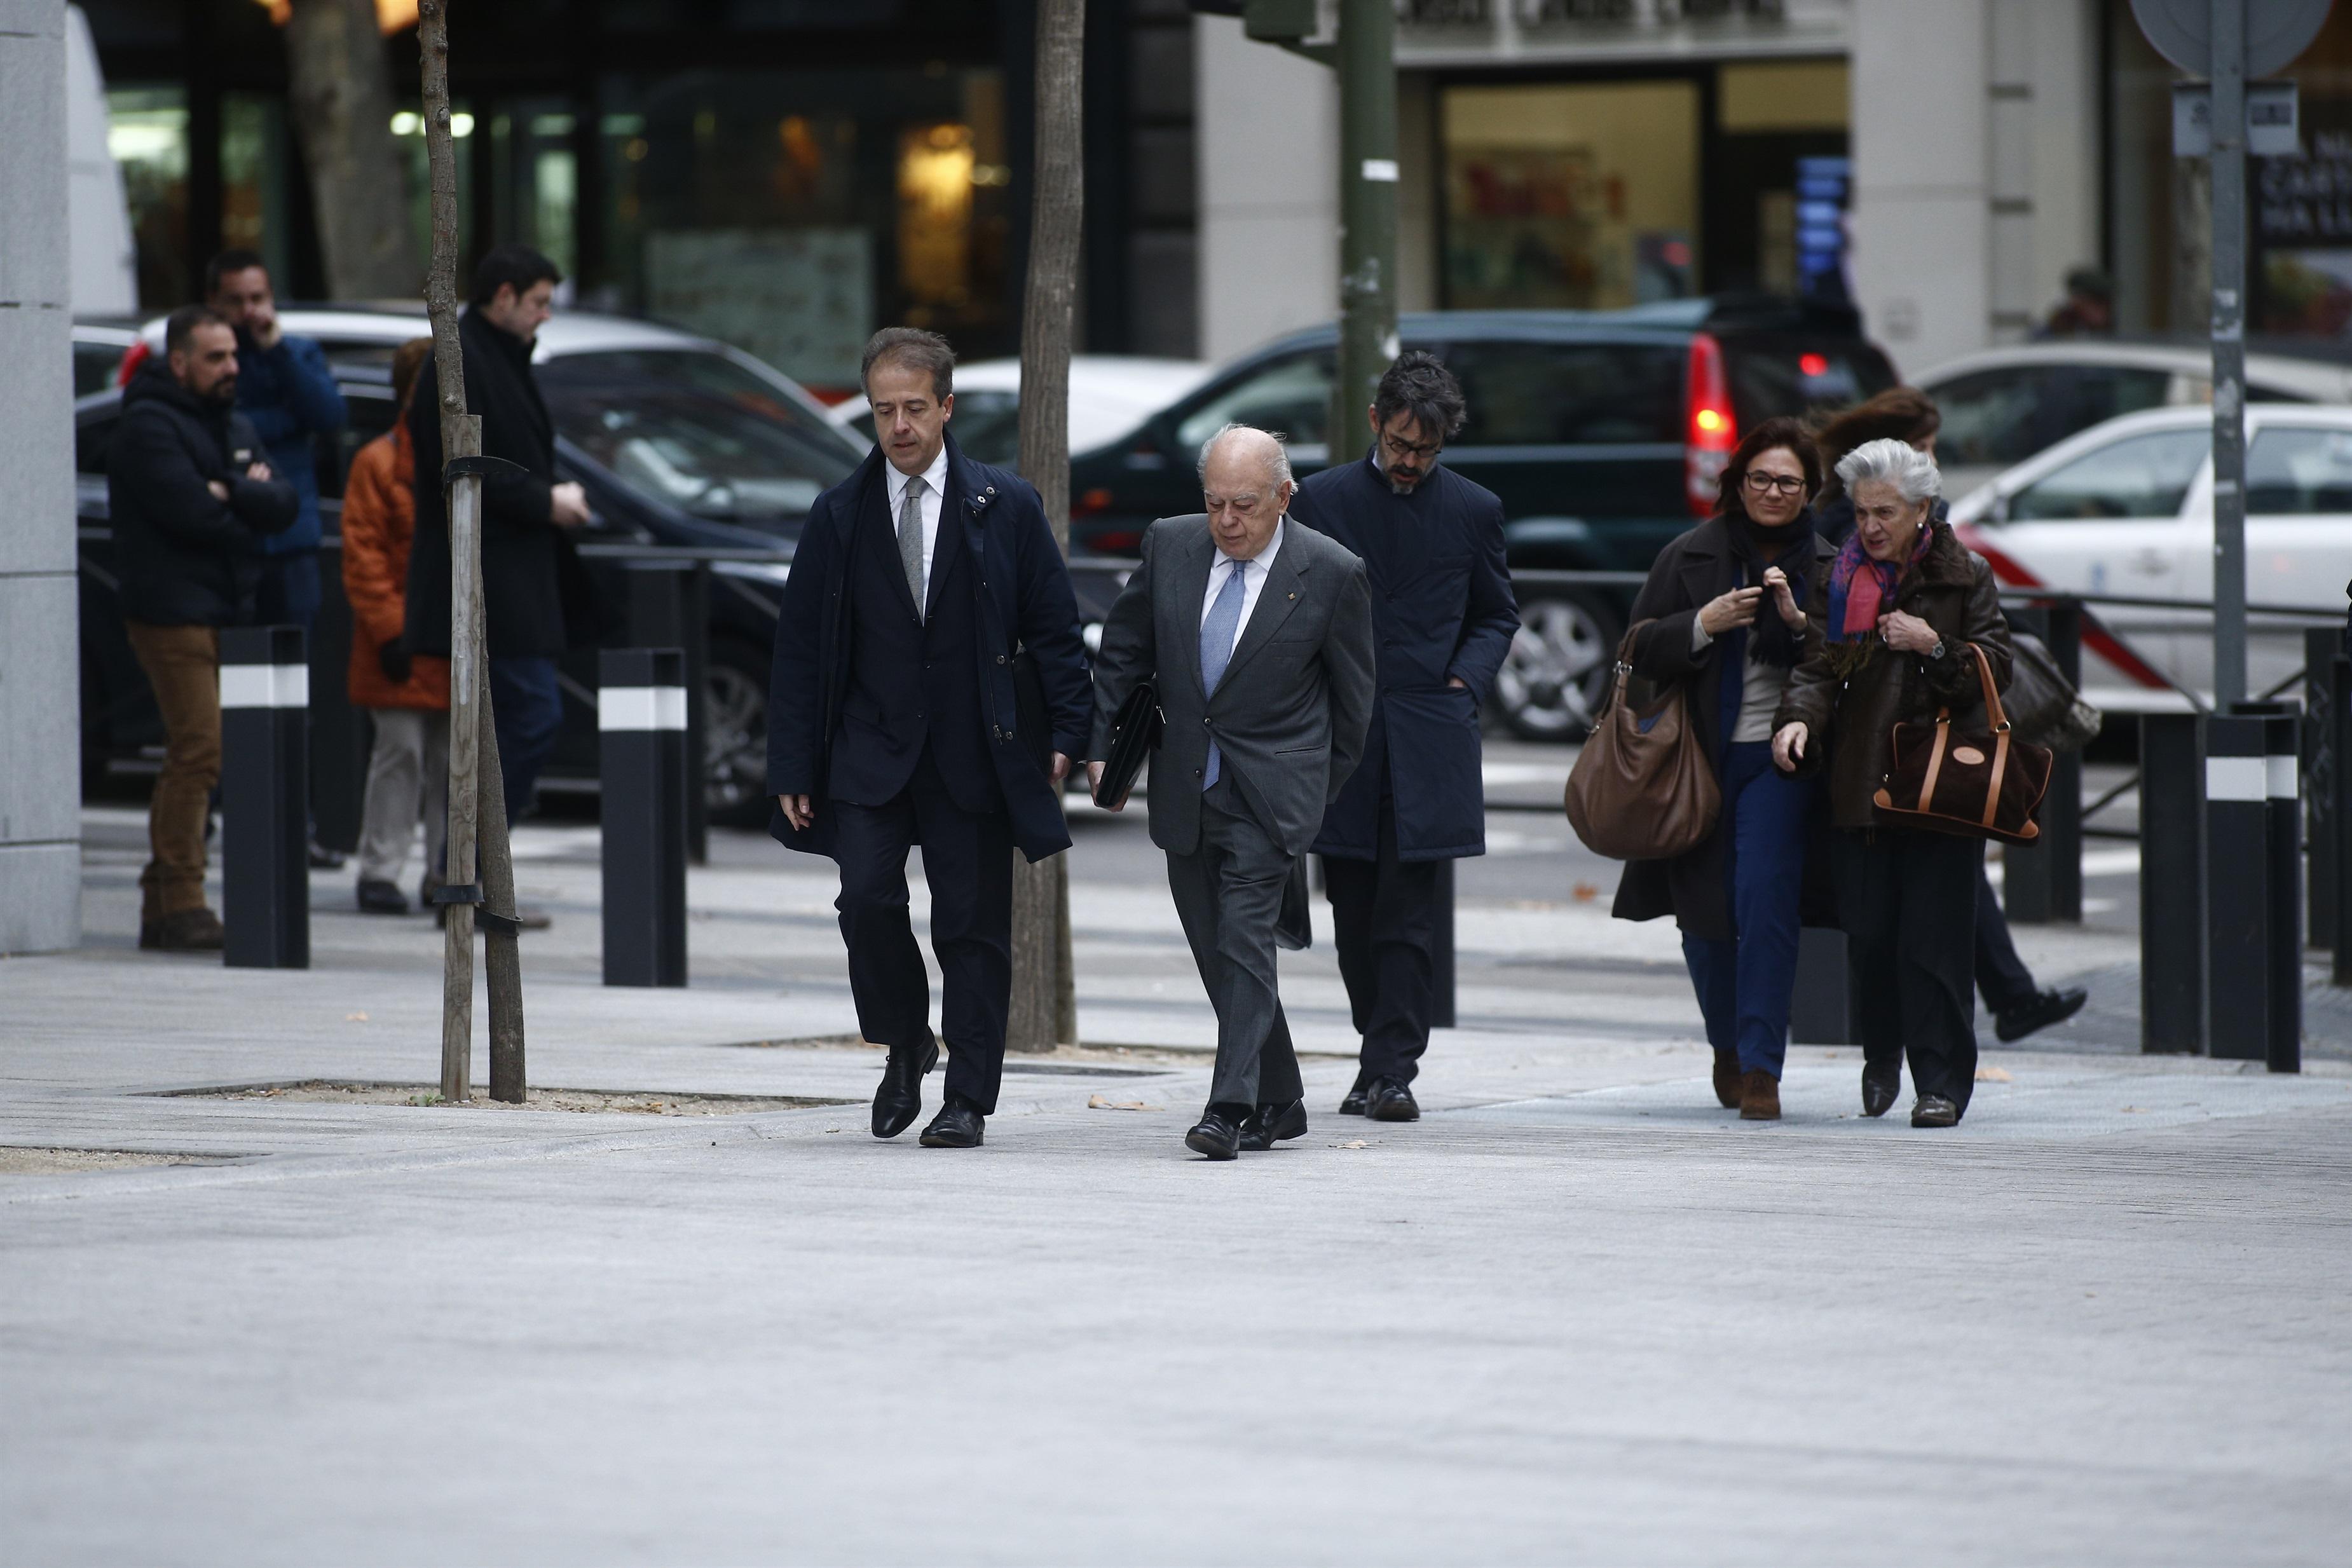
408,696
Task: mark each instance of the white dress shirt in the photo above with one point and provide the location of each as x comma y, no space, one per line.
935,484
1254,571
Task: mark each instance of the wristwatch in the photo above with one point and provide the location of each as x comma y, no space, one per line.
1937,650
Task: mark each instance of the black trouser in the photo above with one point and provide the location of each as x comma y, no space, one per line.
1384,926
1909,903
967,861
2001,976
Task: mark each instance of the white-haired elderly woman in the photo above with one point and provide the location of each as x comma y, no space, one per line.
1887,643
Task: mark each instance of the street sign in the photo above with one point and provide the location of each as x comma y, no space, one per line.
2276,31
2272,130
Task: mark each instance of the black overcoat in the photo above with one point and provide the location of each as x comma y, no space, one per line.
537,600
1699,565
1442,610
1022,601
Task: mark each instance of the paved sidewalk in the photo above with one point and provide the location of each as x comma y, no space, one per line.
1576,1313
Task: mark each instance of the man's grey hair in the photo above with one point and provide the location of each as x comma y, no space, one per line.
1887,460
914,349
1277,456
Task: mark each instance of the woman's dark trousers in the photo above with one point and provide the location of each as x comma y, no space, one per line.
1909,903
1744,982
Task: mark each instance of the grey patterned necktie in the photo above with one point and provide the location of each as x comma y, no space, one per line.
910,540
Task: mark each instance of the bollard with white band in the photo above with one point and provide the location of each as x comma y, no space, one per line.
265,698
2253,925
641,726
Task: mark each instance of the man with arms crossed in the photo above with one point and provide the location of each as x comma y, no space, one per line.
892,721
1258,637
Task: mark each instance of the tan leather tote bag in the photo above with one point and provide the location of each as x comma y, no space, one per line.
1643,788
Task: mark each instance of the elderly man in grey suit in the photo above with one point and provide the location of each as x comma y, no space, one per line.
1257,636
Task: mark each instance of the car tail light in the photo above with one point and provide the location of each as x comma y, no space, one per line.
1120,542
1093,501
1813,366
132,358
1710,430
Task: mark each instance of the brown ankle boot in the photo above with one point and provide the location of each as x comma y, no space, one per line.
1760,1097
1727,1079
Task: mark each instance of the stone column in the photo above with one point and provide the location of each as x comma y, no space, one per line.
40,714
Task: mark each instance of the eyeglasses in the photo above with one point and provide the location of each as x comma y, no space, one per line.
1395,448
1787,484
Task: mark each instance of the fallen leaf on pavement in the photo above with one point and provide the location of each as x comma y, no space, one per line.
1584,893
355,1018
1356,1144
1104,1102
1994,1075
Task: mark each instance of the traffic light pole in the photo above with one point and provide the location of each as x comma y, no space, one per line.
2228,162
1367,215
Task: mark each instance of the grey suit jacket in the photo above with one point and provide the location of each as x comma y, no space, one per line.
1290,712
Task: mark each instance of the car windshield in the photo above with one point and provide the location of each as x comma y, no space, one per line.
1772,375
692,429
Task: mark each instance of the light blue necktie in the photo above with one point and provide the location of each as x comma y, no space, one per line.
1217,650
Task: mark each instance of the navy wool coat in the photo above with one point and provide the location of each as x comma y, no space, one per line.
1442,609
1022,588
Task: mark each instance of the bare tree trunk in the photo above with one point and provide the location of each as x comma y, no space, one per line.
1044,989
340,89
475,798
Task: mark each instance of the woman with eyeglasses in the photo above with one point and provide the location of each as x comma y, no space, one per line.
1722,617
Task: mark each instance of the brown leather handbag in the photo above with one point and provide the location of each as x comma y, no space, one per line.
1981,786
1643,788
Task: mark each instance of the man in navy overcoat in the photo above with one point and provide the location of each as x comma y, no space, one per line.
893,720
1442,609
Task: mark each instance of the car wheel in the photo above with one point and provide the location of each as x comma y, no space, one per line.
735,737
1557,674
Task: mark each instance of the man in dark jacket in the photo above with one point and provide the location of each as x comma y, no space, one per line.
284,387
1444,615
536,600
894,720
192,499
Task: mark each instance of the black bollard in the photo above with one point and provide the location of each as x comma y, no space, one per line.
1821,1009
2171,884
2253,996
1441,957
2283,811
264,697
669,607
2323,757
641,721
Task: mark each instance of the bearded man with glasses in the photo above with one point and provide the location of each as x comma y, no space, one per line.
1444,616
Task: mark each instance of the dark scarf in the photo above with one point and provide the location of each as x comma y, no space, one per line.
1775,643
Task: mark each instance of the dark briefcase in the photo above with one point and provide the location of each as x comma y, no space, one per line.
1134,733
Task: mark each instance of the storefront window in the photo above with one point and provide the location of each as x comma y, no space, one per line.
254,159
791,214
1582,195
147,132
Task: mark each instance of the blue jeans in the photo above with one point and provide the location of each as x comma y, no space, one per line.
527,705
1744,984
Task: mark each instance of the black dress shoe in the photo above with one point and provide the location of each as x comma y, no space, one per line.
381,897
900,1100
1216,1134
957,1126
2044,1008
1878,1094
1353,1105
1389,1101
1935,1110
1270,1125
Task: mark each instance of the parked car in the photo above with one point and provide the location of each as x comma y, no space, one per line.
2003,405
2127,508
1604,432
1110,394
100,343
680,442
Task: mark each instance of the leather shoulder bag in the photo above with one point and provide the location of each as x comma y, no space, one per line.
1644,787
1978,784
